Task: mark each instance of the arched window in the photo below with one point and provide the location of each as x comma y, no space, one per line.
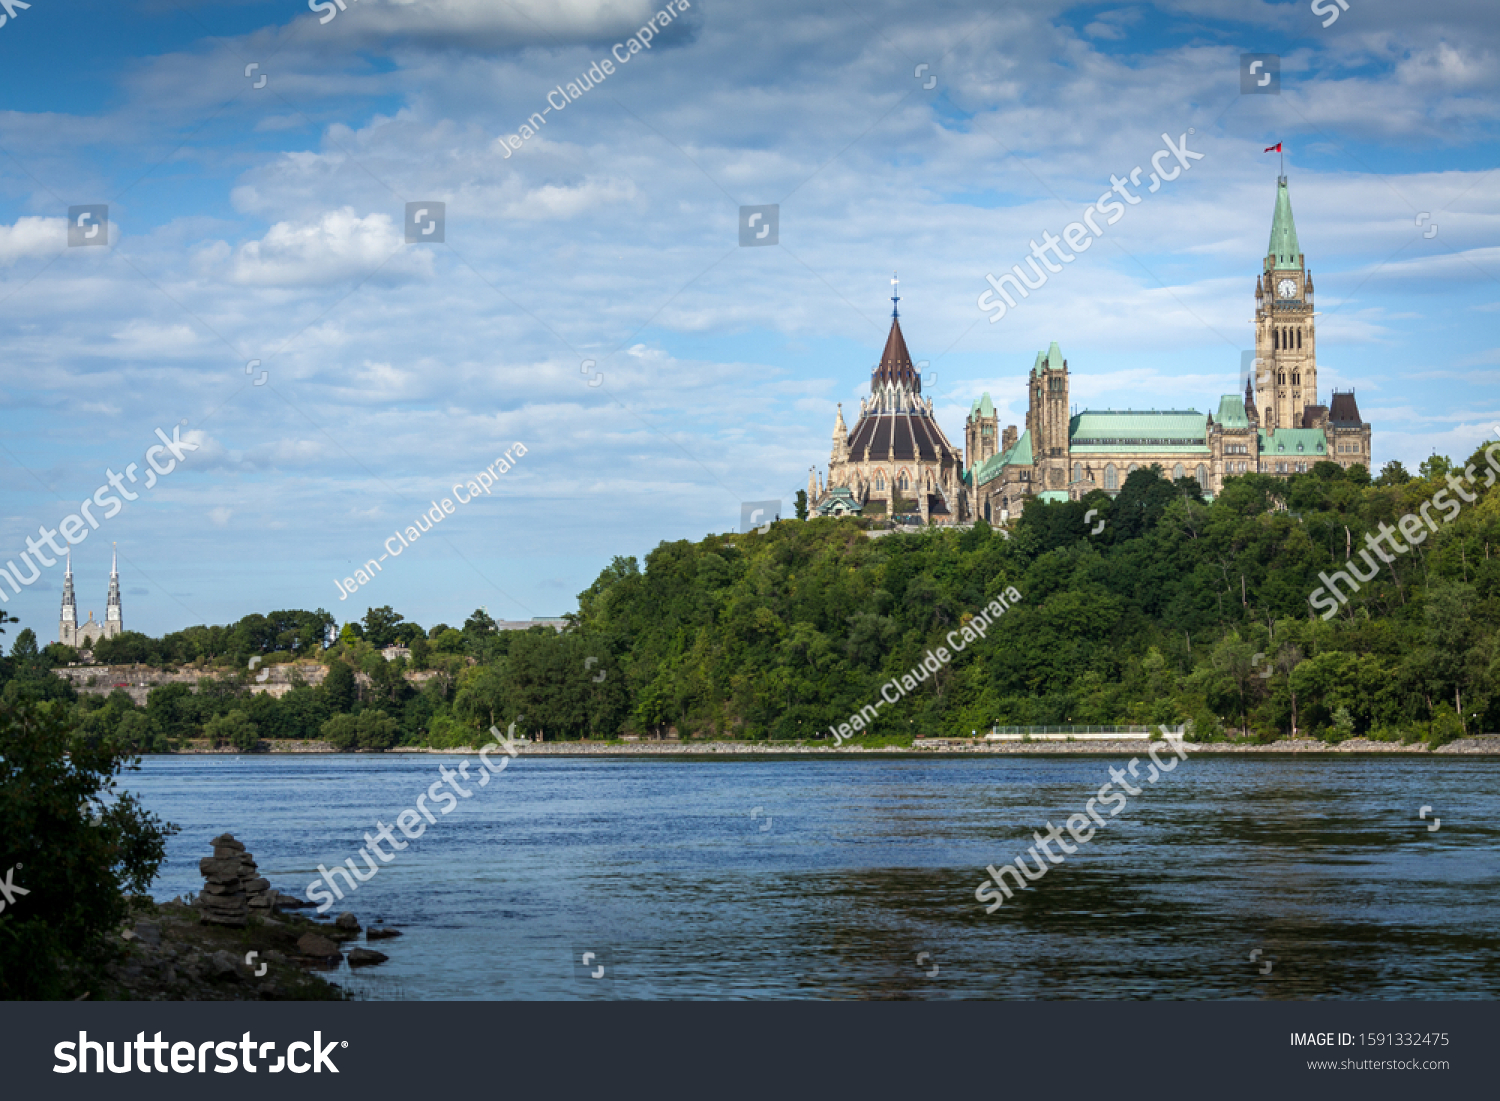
879,481
1078,472
1275,338
986,512
1111,479
1202,475
905,481
1296,378
1299,338
1178,472
1281,377
1133,468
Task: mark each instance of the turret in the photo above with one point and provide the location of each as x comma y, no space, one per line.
840,438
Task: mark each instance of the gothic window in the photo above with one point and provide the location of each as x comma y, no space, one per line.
905,481
1281,377
1178,472
1078,472
986,512
1202,475
1299,338
1276,338
880,481
1111,479
1296,378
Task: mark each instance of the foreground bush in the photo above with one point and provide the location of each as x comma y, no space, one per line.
72,842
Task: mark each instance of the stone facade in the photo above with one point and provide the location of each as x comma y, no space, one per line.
1276,427
70,632
896,464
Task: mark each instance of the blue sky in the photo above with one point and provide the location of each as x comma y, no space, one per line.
267,223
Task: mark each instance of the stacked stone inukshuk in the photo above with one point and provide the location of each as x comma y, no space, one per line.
233,885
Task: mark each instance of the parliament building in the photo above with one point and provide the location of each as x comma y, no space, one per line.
896,463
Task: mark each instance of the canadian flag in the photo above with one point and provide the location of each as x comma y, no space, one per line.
1273,148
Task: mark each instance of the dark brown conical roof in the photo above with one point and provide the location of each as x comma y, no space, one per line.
895,363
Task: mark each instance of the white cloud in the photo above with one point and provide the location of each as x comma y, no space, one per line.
31,237
338,245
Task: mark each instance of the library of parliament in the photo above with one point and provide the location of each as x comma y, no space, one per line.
897,462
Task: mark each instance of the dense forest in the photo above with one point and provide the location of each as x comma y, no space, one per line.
1178,611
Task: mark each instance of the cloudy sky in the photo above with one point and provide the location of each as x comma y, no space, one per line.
268,223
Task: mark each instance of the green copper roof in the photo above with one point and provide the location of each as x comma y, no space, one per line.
983,407
839,496
1284,245
1018,454
1117,432
1284,443
1232,413
1052,495
1050,360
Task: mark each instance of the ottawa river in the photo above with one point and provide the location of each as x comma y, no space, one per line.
667,872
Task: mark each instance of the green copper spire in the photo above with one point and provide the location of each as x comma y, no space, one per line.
1283,230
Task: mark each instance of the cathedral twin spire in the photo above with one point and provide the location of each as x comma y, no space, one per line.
70,633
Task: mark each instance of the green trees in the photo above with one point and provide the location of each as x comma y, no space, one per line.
372,730
558,685
233,728
25,648
342,731
77,845
1176,609
381,626
339,687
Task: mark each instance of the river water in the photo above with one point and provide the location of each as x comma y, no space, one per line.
854,878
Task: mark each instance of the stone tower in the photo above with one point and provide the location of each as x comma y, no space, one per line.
981,431
113,623
1286,370
1047,420
67,630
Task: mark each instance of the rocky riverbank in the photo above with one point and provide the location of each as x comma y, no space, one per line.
235,942
964,747
939,747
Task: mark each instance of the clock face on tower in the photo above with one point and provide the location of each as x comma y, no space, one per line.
1287,288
